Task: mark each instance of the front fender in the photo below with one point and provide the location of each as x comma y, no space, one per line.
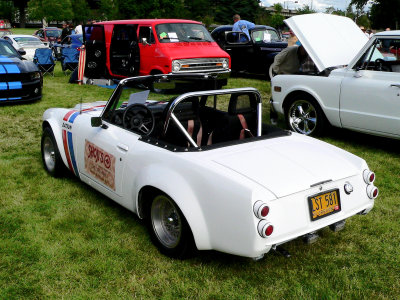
176,187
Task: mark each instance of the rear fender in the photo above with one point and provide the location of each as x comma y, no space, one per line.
175,186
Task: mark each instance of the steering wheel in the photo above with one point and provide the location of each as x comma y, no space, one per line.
380,65
139,118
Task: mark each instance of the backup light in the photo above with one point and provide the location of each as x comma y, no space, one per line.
261,209
369,177
348,188
265,229
372,191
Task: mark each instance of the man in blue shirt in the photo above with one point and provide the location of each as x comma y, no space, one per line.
242,25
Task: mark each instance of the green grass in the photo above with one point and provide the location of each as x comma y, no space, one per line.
61,239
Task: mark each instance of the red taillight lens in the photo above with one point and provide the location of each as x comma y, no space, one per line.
269,230
369,177
372,191
260,209
265,229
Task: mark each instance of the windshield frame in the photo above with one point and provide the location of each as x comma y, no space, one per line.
265,30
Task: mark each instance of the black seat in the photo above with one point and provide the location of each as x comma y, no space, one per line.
239,123
187,112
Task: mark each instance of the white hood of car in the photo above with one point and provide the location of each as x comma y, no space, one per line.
330,40
289,165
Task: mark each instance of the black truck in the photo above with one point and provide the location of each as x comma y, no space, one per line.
254,55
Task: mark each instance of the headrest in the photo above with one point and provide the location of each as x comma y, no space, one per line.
242,103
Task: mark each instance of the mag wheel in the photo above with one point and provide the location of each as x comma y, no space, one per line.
51,157
169,229
303,115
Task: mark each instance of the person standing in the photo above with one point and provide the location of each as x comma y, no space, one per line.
242,25
289,60
78,29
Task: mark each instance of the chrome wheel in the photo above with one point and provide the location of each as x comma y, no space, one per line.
166,221
49,154
303,117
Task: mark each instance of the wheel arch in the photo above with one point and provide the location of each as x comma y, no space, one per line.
57,132
178,189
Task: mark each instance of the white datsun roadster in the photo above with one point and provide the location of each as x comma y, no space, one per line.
358,86
204,171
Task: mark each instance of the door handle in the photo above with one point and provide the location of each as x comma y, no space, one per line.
228,49
123,147
395,85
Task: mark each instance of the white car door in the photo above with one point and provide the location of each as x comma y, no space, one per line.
370,93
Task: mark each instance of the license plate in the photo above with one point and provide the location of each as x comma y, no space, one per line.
324,204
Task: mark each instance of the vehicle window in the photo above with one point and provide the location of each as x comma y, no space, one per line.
94,33
53,33
7,50
219,102
146,34
266,36
383,55
182,32
28,41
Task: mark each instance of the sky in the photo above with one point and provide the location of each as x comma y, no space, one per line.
318,5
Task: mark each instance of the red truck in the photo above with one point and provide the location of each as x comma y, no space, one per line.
126,48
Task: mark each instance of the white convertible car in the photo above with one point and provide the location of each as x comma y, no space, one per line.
358,86
204,171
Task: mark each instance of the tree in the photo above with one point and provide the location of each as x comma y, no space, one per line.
7,10
81,10
305,9
276,19
50,10
21,4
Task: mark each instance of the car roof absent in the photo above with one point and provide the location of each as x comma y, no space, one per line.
330,40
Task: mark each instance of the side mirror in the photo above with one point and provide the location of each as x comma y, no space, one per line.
236,37
96,121
21,51
144,41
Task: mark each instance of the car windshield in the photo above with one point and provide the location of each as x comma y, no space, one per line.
31,41
182,32
53,33
7,50
265,35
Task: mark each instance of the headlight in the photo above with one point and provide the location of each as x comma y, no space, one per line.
176,66
35,75
225,63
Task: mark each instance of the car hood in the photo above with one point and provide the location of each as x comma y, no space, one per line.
193,50
291,164
330,40
23,66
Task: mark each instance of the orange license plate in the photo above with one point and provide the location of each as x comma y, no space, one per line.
324,204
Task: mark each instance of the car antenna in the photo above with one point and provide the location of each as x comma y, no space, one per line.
80,106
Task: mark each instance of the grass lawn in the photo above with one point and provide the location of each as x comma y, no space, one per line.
61,239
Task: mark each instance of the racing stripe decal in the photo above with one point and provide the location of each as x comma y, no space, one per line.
72,154
65,142
68,115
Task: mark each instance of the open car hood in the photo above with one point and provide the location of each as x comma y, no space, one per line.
291,164
330,40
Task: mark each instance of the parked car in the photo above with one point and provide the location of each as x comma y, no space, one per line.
358,87
254,55
26,42
48,34
70,41
119,49
4,32
20,80
204,172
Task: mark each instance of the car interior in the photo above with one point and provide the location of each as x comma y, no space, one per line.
208,120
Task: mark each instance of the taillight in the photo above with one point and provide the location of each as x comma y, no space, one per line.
261,209
265,229
369,177
372,191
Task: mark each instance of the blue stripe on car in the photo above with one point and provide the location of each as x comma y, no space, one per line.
73,117
5,59
15,85
12,69
3,86
2,70
15,98
71,153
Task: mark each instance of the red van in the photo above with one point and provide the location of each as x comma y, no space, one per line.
125,48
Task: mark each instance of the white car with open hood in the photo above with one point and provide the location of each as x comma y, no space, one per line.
204,171
358,86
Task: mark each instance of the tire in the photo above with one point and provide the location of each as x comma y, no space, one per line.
304,115
51,157
169,229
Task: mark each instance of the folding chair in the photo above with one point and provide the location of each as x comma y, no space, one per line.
44,60
69,59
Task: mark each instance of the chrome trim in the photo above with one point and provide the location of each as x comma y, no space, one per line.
184,131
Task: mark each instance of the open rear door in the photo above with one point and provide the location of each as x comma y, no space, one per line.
94,41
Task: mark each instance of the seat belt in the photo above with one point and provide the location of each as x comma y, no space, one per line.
244,126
